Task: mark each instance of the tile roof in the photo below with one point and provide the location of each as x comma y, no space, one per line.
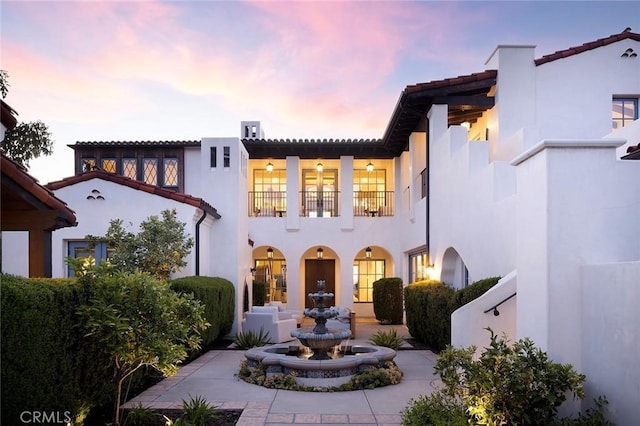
81,144
626,34
8,115
15,177
140,186
314,148
633,153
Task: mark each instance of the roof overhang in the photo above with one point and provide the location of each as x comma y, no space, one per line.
316,148
467,98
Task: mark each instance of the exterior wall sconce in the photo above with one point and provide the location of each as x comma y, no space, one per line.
367,252
319,167
269,167
269,253
370,167
253,272
429,269
319,253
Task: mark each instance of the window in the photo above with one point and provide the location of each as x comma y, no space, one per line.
109,165
624,111
150,170
87,164
83,249
269,193
226,158
214,156
369,192
418,263
170,172
365,273
274,273
129,168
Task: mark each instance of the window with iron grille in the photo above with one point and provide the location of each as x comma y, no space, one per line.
109,165
150,170
130,168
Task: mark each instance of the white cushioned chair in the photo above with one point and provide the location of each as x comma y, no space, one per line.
284,313
266,318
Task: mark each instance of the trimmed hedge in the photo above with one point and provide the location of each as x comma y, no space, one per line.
475,290
429,305
428,308
218,297
259,293
47,365
387,300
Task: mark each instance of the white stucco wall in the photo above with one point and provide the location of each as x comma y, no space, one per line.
15,253
120,202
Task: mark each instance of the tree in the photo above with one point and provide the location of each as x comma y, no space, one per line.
138,321
159,248
27,140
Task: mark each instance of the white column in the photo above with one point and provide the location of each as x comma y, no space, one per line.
293,194
346,193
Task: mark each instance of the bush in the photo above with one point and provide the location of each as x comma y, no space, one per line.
508,384
47,365
429,305
259,293
388,339
387,300
218,297
436,409
250,339
475,290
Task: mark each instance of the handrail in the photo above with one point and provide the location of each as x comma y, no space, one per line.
495,307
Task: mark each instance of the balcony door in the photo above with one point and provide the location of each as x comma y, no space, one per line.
320,194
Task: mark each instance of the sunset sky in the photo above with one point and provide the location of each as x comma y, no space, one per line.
183,70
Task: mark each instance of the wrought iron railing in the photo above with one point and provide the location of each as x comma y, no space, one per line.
320,203
267,203
373,203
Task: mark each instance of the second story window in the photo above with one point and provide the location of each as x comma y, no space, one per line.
150,171
269,196
88,164
624,111
226,158
129,168
170,172
109,165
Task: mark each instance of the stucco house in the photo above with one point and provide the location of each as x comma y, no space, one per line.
524,169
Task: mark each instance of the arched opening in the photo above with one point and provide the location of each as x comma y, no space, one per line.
454,270
271,268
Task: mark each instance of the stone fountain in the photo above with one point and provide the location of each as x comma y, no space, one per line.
320,362
321,340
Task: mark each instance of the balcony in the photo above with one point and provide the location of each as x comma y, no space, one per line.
373,203
321,203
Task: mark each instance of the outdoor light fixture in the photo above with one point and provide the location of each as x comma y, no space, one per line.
496,312
319,167
367,252
370,167
319,253
269,253
269,167
429,269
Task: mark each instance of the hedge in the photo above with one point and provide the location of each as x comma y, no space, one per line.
47,365
218,297
387,300
259,293
429,305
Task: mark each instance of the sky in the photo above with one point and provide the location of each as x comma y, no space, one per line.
184,70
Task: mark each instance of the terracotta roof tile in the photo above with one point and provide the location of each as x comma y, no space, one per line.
140,186
18,174
627,34
81,144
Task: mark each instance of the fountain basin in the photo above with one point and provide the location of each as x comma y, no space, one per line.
325,373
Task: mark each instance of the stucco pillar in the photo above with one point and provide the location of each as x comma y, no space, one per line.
293,193
346,193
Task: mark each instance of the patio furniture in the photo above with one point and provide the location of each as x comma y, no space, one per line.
267,319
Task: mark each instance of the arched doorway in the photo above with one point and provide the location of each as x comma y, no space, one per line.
454,270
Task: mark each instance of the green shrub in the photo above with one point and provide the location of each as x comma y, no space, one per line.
388,339
259,293
140,415
197,410
46,363
250,339
436,409
474,290
509,384
387,300
218,297
428,306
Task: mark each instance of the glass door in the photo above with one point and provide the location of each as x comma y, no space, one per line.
319,196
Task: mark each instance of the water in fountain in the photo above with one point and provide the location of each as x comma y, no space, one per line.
321,340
